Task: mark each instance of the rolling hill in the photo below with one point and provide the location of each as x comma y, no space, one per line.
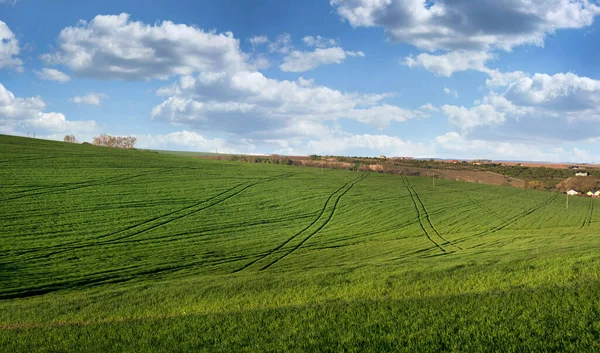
124,250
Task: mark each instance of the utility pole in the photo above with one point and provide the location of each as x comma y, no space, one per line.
567,201
433,180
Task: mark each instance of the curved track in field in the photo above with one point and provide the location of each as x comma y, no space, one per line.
419,214
427,216
153,223
323,215
65,188
518,217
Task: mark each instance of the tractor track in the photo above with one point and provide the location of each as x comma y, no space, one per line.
518,217
484,207
590,213
161,218
347,186
428,218
420,218
55,189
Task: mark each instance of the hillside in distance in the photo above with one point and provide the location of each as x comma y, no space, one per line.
125,250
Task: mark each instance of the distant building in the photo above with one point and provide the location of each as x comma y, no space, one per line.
582,174
382,157
573,167
573,192
455,161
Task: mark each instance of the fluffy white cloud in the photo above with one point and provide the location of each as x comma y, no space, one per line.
561,92
300,61
9,49
53,75
90,99
499,79
468,25
248,103
560,107
114,47
27,113
319,42
447,64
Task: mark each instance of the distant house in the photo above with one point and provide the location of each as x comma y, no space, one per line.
521,165
589,193
382,157
595,193
573,192
455,161
582,174
573,167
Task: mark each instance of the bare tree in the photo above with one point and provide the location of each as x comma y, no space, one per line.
70,138
106,140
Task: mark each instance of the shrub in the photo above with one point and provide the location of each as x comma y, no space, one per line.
70,138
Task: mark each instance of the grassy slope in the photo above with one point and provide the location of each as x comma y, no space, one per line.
108,250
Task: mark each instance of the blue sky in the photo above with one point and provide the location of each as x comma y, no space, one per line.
499,79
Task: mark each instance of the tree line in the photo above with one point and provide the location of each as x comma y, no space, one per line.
106,140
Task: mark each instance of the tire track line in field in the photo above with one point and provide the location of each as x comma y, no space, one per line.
588,216
89,184
347,186
410,191
428,217
484,207
337,200
518,217
160,218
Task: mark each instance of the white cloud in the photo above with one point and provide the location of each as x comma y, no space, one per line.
114,47
560,107
247,103
499,79
370,145
282,44
27,113
455,145
562,92
319,42
428,107
447,64
258,40
451,92
191,141
90,99
300,61
468,25
53,75
9,49
467,119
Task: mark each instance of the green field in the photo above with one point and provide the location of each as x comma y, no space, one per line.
106,250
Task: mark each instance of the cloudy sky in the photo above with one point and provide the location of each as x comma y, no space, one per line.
500,79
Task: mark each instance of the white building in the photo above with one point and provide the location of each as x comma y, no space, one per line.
573,192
